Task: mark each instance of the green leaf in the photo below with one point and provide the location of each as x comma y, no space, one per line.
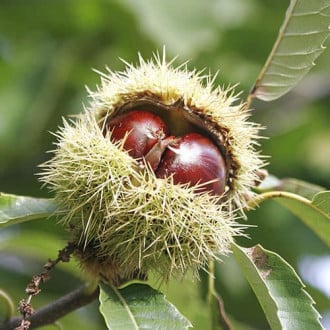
299,42
299,187
278,288
315,214
322,202
138,306
15,209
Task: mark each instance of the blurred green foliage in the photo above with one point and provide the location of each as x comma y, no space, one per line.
47,51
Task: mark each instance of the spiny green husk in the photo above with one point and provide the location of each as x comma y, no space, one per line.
124,220
132,220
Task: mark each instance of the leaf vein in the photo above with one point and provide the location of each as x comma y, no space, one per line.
304,34
299,53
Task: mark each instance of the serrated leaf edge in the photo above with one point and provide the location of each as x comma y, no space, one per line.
302,288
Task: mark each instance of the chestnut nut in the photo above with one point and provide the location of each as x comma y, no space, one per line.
192,159
141,130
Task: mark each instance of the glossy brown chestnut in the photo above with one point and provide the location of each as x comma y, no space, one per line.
194,159
142,129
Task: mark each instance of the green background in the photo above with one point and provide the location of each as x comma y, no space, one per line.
48,49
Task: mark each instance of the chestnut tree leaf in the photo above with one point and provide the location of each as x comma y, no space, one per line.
138,306
15,209
299,42
299,187
278,288
315,213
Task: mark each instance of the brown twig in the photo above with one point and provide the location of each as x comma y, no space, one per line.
219,316
55,310
223,318
25,308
